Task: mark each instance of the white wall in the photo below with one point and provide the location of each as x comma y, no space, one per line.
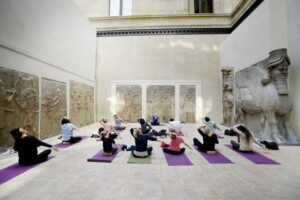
293,28
50,39
274,24
157,58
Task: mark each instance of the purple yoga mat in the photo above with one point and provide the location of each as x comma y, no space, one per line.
217,158
255,157
100,157
61,145
177,160
14,170
220,137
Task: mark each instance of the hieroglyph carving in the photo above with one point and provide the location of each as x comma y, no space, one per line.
19,104
161,101
54,107
187,98
129,102
228,99
81,103
262,98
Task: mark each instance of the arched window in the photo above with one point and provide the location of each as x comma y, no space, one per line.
120,7
203,6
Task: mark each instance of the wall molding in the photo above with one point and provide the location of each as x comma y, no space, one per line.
182,30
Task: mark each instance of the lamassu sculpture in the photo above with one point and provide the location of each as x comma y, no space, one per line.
262,98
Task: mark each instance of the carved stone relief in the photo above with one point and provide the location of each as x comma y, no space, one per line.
81,104
262,98
187,102
161,101
129,102
19,104
228,99
54,107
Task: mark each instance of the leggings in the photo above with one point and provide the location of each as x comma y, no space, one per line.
74,139
169,151
132,148
236,146
42,157
199,145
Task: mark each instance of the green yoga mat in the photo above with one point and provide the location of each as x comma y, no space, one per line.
133,159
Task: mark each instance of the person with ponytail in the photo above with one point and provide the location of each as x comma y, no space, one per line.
245,139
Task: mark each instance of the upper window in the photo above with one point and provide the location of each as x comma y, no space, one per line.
120,7
203,6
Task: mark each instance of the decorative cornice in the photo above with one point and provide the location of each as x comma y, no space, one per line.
181,30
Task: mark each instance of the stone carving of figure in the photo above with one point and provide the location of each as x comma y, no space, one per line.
189,104
28,103
227,95
262,98
130,109
168,103
53,111
6,96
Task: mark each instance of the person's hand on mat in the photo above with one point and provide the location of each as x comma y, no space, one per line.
54,148
264,147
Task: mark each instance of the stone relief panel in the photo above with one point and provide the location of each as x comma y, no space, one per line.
54,107
81,104
187,102
160,102
19,104
228,98
129,102
262,98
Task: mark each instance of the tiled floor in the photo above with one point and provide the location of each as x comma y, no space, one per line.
70,176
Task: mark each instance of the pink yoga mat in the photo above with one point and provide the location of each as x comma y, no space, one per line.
61,145
255,157
177,160
100,157
14,170
217,158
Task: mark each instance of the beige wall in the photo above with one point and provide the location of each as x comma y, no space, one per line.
50,39
271,26
191,57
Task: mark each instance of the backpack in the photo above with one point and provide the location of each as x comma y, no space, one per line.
270,145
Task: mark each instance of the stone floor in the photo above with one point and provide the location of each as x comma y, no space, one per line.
70,176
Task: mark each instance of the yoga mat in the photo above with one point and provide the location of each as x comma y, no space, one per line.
220,137
133,159
100,157
14,170
217,158
61,145
255,157
177,160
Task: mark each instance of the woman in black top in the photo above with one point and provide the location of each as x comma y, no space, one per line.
26,145
107,143
209,140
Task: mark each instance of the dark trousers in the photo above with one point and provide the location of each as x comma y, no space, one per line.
132,148
41,157
169,151
74,139
236,146
120,127
199,145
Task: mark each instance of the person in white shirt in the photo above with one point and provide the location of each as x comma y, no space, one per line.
67,132
245,139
